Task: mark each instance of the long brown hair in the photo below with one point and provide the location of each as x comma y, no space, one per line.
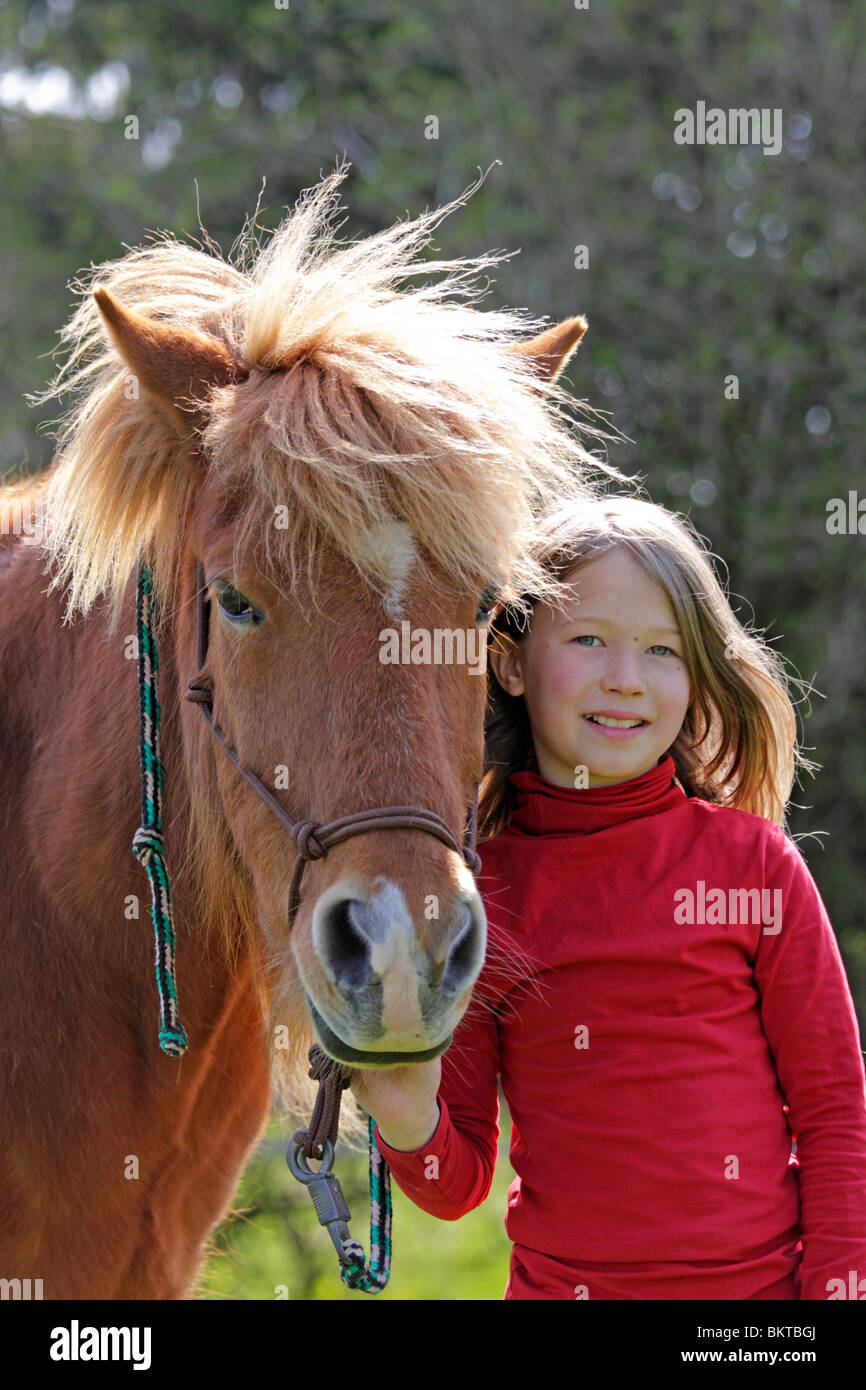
738,743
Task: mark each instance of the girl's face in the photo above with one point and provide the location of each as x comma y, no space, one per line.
615,652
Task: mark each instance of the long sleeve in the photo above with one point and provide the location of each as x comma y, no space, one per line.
811,1027
453,1171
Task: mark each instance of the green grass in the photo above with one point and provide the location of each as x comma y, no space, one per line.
272,1241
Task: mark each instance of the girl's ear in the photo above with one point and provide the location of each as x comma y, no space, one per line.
506,668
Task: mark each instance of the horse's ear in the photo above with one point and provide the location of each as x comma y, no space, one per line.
177,365
551,350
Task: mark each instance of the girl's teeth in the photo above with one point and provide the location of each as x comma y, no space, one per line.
615,723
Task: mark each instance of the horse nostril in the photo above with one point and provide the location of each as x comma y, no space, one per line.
350,932
345,950
463,958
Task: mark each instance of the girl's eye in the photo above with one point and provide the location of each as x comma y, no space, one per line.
237,608
587,638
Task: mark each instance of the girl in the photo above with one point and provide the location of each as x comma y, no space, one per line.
662,985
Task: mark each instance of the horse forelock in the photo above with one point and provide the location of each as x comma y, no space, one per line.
364,399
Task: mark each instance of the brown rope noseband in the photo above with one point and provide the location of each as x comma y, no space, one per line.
312,840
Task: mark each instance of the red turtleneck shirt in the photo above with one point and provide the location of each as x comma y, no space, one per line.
652,1022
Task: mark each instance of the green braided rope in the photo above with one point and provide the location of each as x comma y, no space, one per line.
147,843
372,1277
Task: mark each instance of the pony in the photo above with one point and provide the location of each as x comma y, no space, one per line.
336,451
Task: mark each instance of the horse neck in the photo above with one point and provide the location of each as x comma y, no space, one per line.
69,764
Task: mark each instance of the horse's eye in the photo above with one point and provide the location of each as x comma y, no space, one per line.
486,604
238,608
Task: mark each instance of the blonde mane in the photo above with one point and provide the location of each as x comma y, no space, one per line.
361,402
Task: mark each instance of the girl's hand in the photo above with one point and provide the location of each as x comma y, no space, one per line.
402,1101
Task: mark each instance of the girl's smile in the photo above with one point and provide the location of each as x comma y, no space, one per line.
616,724
605,681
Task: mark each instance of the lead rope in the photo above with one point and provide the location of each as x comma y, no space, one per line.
147,843
320,1138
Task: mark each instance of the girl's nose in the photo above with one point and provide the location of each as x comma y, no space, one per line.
623,674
